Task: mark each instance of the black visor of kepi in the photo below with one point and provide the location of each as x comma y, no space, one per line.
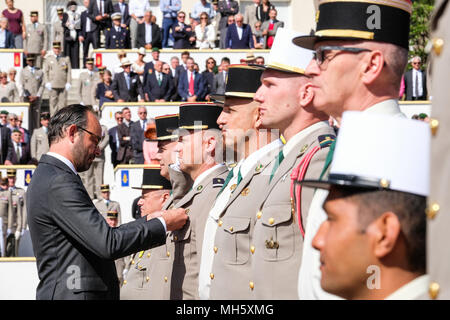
165,125
153,180
199,116
348,181
375,20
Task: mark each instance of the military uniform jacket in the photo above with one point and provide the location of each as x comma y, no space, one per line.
17,211
188,240
32,83
103,209
5,197
148,276
57,71
232,243
58,33
36,39
438,255
39,143
87,87
117,39
277,239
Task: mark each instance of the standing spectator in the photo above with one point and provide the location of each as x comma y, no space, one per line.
137,9
57,78
205,33
12,121
220,79
262,14
223,32
239,35
39,139
58,29
116,36
21,152
215,21
169,9
182,33
200,7
104,92
16,23
258,38
126,85
148,33
89,32
35,41
227,8
32,80
139,65
250,17
125,152
137,130
87,85
72,25
158,85
123,9
114,142
416,81
190,85
100,11
208,77
270,27
8,90
6,37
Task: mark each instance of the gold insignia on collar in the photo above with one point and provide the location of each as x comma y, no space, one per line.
258,167
233,187
304,148
200,188
245,192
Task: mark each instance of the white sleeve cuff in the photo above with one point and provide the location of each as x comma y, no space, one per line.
163,223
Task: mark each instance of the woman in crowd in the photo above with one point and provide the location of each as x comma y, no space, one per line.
8,90
262,13
104,91
208,76
139,65
15,22
205,33
12,73
258,38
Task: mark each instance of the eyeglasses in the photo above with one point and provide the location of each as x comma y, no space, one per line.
416,63
210,62
182,17
143,112
203,18
319,53
92,134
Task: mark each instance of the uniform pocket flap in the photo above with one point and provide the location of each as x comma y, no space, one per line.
236,224
276,214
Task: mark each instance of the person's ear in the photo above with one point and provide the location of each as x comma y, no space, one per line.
372,65
164,198
306,94
71,131
385,232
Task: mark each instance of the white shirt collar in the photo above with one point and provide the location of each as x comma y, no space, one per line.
204,174
253,158
389,107
412,290
66,161
291,144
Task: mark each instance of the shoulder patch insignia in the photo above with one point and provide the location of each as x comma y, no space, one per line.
218,182
326,140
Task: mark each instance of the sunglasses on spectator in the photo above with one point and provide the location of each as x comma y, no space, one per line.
144,112
203,18
416,63
181,16
121,118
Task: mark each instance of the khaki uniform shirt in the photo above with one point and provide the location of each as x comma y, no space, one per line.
32,82
17,210
87,87
103,208
39,143
57,72
36,39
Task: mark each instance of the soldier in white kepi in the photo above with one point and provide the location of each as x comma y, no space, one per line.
372,245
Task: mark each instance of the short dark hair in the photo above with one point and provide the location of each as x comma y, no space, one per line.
408,207
73,114
225,59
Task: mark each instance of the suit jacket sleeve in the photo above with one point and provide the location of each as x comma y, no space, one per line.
135,137
74,213
140,37
115,87
169,89
228,38
182,90
156,36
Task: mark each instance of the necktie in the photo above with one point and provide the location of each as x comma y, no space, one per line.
143,125
101,7
127,78
416,80
227,180
191,84
278,160
159,79
107,203
239,177
18,152
328,160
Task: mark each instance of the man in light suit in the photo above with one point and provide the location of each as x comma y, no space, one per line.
250,17
270,28
65,223
416,81
126,85
137,130
220,79
158,86
35,41
239,35
39,139
148,33
32,79
105,204
190,84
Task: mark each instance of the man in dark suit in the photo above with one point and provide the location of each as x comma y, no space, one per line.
117,37
183,34
158,85
191,87
6,145
416,81
114,139
239,35
89,32
74,246
150,65
137,130
100,12
220,79
9,39
20,150
148,33
227,8
125,152
122,8
126,85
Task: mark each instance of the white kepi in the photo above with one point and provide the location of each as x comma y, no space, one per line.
285,55
375,151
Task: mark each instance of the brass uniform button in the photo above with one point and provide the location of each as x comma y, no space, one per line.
175,238
165,279
139,267
252,249
259,215
433,290
233,187
220,223
231,229
124,281
438,45
211,275
147,279
304,148
384,183
432,210
271,221
434,125
168,253
252,285
132,261
148,255
215,249
187,210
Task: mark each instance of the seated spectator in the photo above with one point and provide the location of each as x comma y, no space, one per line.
127,86
220,78
270,27
424,117
260,60
148,33
190,85
239,35
8,90
205,33
139,65
249,58
200,7
4,118
208,77
21,152
6,37
183,34
262,13
175,71
12,122
158,86
258,38
104,92
223,32
12,73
